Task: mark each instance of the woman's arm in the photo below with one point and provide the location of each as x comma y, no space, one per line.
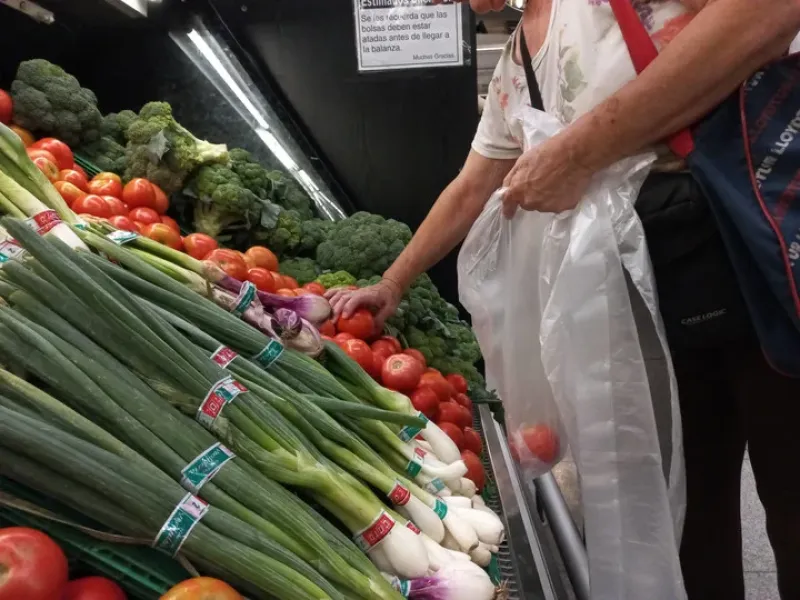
725,43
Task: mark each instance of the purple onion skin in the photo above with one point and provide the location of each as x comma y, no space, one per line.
429,588
287,322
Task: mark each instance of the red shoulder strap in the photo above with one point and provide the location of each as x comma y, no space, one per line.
643,51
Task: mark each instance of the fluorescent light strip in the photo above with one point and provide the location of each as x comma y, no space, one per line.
277,149
214,61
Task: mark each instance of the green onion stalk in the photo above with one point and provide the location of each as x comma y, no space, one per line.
151,498
253,429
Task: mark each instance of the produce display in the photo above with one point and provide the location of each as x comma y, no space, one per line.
182,381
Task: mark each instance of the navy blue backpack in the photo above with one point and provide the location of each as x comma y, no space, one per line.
746,157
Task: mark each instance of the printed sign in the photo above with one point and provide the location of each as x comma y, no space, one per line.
408,34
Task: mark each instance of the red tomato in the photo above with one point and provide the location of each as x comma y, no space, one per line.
262,257
327,329
163,234
290,282
117,206
69,192
79,169
438,384
341,338
34,153
92,204
402,373
458,382
360,352
144,215
472,441
426,401
32,564
202,588
327,338
199,245
286,292
106,187
107,175
382,349
262,279
450,412
93,588
6,106
47,167
171,223
414,353
303,292
160,200
475,471
361,324
230,262
59,149
432,370
465,416
315,288
454,433
75,178
139,226
393,341
139,192
123,222
542,441
464,401
25,135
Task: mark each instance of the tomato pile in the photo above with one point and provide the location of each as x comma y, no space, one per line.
34,567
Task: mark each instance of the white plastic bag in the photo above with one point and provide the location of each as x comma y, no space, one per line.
551,310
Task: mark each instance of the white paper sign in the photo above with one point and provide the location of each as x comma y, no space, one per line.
408,34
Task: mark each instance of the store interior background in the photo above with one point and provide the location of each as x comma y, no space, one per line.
386,143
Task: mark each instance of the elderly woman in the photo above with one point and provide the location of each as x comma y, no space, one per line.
730,398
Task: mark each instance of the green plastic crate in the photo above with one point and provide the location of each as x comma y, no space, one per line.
144,573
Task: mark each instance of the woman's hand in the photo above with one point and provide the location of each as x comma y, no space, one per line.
547,178
381,298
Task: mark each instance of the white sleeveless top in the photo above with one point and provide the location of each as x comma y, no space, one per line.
583,61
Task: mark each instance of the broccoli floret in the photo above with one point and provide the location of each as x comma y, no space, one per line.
304,270
158,146
313,232
253,175
286,192
284,237
222,203
115,125
337,279
363,245
106,154
48,100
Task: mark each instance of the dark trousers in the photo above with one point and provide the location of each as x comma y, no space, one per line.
731,399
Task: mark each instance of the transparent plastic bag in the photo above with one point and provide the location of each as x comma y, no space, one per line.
550,304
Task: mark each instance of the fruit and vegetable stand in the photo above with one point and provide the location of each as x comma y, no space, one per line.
171,376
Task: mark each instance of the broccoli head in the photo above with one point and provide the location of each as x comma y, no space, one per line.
115,125
222,203
337,279
48,100
304,270
106,154
159,146
363,245
284,237
286,192
253,175
312,233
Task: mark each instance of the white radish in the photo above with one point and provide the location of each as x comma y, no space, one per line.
489,528
405,553
442,445
468,488
458,502
481,555
464,535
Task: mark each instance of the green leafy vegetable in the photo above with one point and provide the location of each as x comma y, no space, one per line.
304,270
337,279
